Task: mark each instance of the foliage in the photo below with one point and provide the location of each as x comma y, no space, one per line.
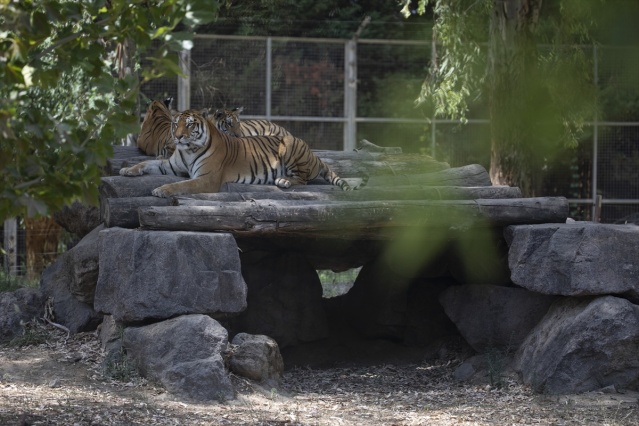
9,282
459,74
33,333
337,283
313,18
62,103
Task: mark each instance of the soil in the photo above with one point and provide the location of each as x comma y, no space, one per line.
63,381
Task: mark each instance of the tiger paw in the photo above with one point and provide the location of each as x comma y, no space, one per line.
130,171
161,192
282,183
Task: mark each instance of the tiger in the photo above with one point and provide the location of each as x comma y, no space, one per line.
155,135
228,121
211,158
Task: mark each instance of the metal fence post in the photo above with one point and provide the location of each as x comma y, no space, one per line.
350,95
184,82
269,77
596,211
11,246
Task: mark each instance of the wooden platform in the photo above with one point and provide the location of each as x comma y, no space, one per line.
405,194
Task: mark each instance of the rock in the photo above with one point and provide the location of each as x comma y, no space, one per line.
78,218
67,309
582,344
17,308
146,275
85,264
257,358
110,334
465,371
577,259
494,317
492,369
184,354
285,299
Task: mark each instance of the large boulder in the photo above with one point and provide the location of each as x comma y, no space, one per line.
284,299
257,358
17,308
184,354
78,218
494,317
84,264
150,275
77,316
582,344
576,259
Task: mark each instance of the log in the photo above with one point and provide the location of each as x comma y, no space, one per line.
123,212
399,193
141,186
367,146
345,164
353,219
471,175
125,187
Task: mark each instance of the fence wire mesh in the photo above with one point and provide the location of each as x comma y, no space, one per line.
302,84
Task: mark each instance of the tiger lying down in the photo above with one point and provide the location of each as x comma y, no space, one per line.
211,158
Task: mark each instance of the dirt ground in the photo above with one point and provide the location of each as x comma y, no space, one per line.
62,381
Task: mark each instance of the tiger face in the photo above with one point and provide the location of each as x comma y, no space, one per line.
189,130
155,133
228,121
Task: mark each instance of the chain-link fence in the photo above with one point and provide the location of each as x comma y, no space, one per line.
334,92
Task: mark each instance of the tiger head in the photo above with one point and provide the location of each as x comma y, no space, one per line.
190,129
228,120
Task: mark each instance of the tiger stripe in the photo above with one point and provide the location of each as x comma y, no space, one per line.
211,158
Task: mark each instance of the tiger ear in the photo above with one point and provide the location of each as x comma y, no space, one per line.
218,113
205,112
238,109
168,102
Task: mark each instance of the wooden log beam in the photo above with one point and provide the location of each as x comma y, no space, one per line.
141,186
363,219
345,164
123,212
471,175
126,187
365,194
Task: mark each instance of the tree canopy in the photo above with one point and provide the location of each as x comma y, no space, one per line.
530,62
66,95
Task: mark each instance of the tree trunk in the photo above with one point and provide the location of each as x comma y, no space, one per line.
512,69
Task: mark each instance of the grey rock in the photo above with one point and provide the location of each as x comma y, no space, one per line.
85,262
110,334
67,309
184,354
582,344
19,307
576,259
78,218
493,369
464,372
256,357
494,317
285,299
147,275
